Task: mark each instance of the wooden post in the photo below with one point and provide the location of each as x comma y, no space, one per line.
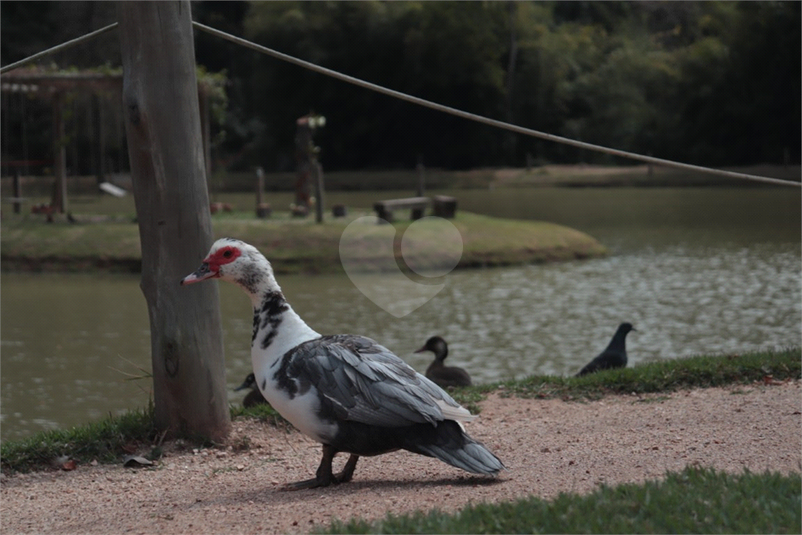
17,192
262,210
421,177
318,190
59,154
303,159
100,142
165,146
260,186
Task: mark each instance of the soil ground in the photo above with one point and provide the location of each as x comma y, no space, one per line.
548,446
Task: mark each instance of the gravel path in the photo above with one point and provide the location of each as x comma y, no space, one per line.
549,446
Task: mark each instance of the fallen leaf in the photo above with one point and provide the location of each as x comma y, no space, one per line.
69,465
136,461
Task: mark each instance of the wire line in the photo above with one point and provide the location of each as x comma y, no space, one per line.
486,120
57,48
422,102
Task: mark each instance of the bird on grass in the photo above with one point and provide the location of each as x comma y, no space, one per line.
254,397
615,356
444,376
345,391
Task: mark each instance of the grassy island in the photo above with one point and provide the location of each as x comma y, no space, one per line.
294,245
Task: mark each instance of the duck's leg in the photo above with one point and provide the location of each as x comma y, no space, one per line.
323,476
348,470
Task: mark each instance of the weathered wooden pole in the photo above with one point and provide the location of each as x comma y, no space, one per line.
100,140
59,154
17,202
319,190
421,177
160,102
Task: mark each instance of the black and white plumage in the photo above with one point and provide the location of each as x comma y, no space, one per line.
444,376
345,391
615,356
254,397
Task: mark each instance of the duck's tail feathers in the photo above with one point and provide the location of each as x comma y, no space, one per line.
449,443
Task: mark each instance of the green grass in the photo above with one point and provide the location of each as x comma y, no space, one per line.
105,441
111,438
692,501
666,375
292,245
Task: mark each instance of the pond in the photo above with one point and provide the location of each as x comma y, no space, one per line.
696,270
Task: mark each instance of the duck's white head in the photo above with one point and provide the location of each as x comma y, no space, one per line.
238,262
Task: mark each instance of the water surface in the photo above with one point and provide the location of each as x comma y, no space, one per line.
696,270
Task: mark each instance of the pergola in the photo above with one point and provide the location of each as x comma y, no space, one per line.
54,85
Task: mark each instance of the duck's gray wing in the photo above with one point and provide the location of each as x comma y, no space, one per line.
363,381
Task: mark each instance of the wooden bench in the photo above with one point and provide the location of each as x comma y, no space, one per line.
417,205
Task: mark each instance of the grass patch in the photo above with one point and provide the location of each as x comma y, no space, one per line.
692,501
109,439
105,441
702,371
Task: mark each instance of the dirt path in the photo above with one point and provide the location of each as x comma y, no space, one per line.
549,446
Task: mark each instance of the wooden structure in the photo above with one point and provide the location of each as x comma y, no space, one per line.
57,85
416,205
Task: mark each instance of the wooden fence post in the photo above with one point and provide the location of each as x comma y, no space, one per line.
319,190
59,201
160,102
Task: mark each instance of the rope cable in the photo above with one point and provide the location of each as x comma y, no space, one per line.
486,120
57,48
422,102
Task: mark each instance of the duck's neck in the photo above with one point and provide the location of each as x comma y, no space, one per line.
619,340
277,328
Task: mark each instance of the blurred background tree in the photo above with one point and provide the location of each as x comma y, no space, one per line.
711,83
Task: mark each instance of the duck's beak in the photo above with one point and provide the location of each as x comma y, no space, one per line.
201,274
243,386
421,350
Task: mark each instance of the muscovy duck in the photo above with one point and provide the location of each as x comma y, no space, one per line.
254,397
444,376
345,391
615,356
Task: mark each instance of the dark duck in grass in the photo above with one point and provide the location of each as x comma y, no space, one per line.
444,376
345,391
615,356
254,397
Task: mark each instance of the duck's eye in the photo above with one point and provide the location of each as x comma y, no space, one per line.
227,253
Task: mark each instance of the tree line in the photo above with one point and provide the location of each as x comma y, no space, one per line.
711,83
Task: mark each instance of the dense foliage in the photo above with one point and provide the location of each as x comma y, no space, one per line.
714,83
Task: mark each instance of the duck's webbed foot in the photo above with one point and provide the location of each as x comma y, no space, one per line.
324,476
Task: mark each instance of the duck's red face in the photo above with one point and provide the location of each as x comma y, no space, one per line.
212,264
